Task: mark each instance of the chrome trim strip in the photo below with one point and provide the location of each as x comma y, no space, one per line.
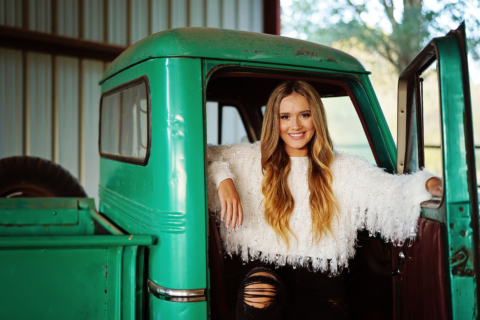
175,295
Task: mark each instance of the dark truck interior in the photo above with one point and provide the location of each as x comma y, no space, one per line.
369,276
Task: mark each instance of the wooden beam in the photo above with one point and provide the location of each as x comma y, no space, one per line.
271,17
21,39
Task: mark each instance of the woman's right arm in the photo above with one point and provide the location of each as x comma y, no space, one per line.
219,173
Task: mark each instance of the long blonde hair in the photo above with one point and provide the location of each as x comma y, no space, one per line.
278,199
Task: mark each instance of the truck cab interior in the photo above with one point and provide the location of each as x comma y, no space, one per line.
235,102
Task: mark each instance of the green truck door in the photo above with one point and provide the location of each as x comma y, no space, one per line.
439,272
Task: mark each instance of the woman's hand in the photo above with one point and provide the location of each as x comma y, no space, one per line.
435,187
230,202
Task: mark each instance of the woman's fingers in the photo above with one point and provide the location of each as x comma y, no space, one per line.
435,187
229,214
234,215
240,215
223,205
231,207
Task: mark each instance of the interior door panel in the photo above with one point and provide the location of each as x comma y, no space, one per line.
423,275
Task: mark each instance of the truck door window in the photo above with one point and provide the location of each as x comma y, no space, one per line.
227,121
124,123
432,132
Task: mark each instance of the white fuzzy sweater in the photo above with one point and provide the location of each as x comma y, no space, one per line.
368,198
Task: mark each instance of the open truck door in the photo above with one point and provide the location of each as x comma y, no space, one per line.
438,272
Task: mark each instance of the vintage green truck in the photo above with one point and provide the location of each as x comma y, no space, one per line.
152,250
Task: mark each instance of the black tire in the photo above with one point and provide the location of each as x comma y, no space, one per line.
33,177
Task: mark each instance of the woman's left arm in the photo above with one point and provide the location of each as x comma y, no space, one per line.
379,201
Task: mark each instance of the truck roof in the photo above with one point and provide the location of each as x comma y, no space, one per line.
225,44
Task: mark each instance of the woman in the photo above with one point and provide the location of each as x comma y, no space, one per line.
297,204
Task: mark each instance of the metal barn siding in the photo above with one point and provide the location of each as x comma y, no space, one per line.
68,18
11,13
138,24
117,22
40,15
257,15
11,103
197,13
244,17
91,71
67,113
213,14
159,15
229,14
39,105
50,103
93,20
179,14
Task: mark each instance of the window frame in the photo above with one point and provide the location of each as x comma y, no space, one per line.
127,159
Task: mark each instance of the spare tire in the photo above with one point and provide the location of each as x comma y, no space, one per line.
33,177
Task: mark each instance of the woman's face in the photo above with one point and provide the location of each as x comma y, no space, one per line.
296,124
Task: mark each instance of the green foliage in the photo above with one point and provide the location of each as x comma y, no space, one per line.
395,32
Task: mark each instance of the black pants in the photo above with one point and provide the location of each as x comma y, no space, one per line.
301,294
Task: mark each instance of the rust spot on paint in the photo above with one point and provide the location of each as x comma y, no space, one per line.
105,292
332,59
258,51
246,50
459,263
306,52
130,238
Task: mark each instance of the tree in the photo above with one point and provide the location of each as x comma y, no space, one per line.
395,30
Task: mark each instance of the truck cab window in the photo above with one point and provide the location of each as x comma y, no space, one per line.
224,125
124,127
345,128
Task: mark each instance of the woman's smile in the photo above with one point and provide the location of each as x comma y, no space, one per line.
296,135
296,124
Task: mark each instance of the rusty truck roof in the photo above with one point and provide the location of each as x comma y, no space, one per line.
222,44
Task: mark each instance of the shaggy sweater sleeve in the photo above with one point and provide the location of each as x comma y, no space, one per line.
230,162
218,169
378,201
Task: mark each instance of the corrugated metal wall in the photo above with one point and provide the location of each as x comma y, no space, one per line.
49,104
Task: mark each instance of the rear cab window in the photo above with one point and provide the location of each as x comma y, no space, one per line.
125,122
